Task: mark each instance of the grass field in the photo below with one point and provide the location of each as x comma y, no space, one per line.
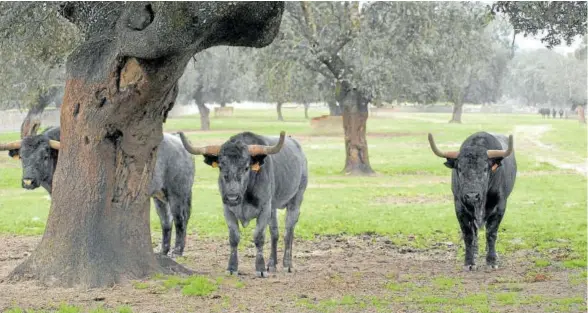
387,243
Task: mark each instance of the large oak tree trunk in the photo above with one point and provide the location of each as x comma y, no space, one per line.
118,93
355,115
279,109
334,109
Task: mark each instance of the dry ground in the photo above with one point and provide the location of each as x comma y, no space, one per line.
368,271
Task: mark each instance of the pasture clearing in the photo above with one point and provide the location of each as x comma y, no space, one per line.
387,243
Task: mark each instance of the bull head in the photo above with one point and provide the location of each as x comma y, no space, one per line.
254,150
492,154
15,146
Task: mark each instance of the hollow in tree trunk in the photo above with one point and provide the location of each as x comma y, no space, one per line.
457,110
118,93
355,115
279,109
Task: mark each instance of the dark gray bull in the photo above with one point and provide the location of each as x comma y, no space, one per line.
257,176
482,177
171,184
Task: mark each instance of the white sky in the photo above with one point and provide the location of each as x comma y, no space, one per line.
532,43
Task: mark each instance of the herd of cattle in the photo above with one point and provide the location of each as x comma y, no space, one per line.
546,112
259,174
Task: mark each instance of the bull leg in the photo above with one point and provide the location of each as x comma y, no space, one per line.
492,225
259,239
292,214
234,236
180,208
165,218
469,232
273,261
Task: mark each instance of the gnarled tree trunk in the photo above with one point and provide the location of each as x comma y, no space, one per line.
279,109
118,93
355,115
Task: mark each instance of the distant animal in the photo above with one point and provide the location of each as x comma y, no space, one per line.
170,188
257,176
561,113
482,178
553,113
544,112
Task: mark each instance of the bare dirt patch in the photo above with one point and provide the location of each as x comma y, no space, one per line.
327,268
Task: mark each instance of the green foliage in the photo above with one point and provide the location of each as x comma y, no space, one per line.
553,20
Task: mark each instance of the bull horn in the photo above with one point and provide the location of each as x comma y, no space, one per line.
10,146
439,153
54,144
259,149
213,150
502,153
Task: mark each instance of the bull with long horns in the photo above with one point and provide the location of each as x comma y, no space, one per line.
482,178
257,176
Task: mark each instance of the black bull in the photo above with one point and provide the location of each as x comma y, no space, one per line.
258,175
171,183
483,176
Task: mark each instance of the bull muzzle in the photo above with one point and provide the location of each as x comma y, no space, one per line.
29,183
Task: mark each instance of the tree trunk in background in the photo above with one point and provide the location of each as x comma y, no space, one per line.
457,110
279,109
355,115
202,109
118,93
306,105
204,116
334,109
581,114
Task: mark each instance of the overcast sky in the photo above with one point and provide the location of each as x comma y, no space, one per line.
532,43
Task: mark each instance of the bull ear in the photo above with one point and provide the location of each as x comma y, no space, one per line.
258,160
450,163
495,163
211,160
14,153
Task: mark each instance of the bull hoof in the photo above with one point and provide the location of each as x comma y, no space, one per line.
261,274
288,270
232,273
492,266
470,268
176,254
272,269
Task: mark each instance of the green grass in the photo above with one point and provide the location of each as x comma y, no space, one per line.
409,201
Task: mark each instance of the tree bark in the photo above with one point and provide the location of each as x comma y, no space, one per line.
279,109
32,120
334,109
355,115
457,110
118,93
306,105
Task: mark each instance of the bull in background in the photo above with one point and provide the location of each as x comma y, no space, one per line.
561,113
544,112
171,183
257,176
553,113
482,177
